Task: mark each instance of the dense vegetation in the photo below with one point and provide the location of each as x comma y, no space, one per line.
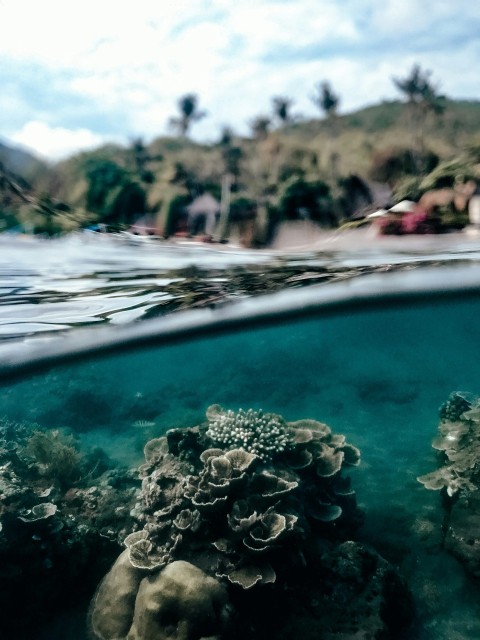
324,169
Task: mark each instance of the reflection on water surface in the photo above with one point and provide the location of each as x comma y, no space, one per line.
54,285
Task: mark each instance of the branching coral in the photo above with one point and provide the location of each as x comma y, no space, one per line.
264,434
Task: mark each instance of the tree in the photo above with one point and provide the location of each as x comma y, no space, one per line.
325,100
104,177
281,109
422,100
231,153
189,113
307,200
418,88
141,159
260,126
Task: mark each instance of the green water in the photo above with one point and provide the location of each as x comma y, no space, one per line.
377,376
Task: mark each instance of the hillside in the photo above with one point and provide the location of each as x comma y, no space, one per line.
318,168
21,162
362,133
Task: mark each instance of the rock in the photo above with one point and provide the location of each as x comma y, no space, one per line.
112,608
462,534
178,603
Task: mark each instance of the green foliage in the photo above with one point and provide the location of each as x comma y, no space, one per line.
176,216
141,159
242,208
354,194
55,456
408,189
232,153
422,100
115,183
49,218
452,220
447,173
129,202
392,164
375,118
103,176
417,87
310,200
113,194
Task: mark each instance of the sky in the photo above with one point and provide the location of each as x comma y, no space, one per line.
76,75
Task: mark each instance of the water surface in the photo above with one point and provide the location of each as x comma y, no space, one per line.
90,279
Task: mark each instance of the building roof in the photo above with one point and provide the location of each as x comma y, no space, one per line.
204,204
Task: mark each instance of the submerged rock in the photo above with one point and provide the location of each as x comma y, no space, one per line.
111,612
179,602
360,595
462,532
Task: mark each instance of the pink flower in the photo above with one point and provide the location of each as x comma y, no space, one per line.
416,222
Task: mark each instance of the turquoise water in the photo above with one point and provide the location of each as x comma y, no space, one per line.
378,376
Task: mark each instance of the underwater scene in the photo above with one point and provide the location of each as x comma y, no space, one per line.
305,470
314,477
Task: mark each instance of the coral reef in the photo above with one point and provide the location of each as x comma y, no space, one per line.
62,514
459,443
458,477
254,511
243,500
262,434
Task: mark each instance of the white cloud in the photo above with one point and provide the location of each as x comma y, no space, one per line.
130,63
55,142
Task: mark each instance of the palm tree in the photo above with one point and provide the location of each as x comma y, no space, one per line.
281,109
189,113
260,126
325,100
422,99
231,153
141,158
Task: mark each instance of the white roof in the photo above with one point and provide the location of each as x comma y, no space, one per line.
377,214
403,206
204,204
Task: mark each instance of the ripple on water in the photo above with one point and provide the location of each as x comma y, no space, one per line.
48,285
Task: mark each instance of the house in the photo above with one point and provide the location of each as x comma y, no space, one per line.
203,214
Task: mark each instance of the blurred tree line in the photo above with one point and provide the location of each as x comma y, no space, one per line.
287,169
